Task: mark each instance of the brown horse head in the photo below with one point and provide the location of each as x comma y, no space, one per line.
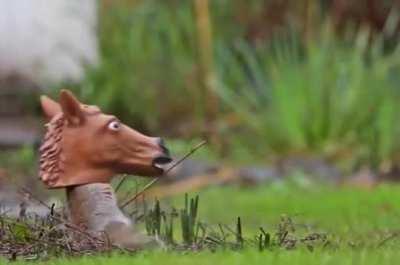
83,145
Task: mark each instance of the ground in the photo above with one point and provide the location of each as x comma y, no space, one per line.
362,225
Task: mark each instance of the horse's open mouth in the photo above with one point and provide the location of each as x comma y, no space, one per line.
161,163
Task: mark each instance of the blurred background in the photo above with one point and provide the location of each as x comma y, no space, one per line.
307,88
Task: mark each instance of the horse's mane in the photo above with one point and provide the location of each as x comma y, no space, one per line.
51,157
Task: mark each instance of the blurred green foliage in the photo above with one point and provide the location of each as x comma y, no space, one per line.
147,74
20,161
327,97
285,95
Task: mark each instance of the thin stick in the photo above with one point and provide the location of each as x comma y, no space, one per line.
388,238
151,183
61,220
120,183
69,225
25,191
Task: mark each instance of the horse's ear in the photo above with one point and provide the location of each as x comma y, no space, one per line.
71,108
50,107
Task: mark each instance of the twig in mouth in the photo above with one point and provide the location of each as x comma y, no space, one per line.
120,183
151,183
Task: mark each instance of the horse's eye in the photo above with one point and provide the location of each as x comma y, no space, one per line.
114,126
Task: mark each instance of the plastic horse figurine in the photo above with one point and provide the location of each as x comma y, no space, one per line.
82,150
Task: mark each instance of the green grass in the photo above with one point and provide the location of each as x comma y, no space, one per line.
363,257
337,211
356,221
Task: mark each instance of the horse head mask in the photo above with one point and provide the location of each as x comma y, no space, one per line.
83,145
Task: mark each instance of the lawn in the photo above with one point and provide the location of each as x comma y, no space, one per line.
335,210
361,226
250,257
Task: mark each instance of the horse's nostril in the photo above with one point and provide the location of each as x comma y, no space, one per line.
162,160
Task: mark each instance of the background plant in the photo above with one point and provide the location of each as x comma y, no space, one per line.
327,97
305,88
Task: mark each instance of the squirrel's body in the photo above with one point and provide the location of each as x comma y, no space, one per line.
93,207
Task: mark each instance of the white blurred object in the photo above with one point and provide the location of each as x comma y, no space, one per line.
47,41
